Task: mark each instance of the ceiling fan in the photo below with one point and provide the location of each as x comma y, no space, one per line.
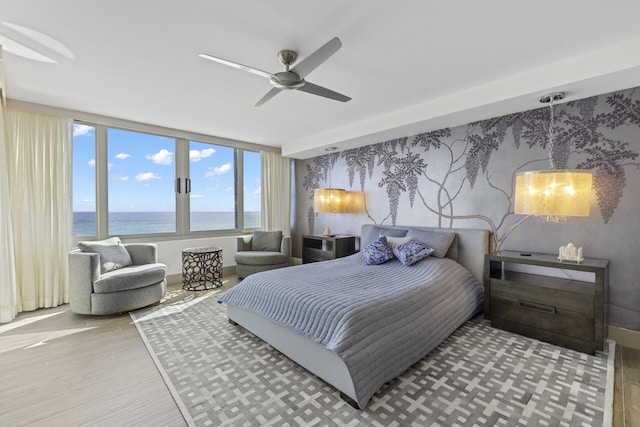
292,79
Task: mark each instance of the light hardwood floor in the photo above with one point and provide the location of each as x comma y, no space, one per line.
58,368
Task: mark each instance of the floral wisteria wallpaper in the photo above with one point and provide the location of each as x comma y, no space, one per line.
464,177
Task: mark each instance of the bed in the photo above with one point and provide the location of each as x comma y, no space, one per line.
359,326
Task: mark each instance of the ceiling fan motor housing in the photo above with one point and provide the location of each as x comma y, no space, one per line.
286,80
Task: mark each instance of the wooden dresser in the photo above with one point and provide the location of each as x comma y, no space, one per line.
537,296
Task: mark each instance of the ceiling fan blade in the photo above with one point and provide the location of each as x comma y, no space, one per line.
235,65
323,91
273,92
312,61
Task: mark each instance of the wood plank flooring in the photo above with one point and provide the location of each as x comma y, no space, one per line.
626,403
58,368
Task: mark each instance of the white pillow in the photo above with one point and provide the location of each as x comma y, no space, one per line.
395,241
113,254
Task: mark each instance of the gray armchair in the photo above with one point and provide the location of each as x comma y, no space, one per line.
109,277
262,251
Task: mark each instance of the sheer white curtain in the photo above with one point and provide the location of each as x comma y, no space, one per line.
8,284
38,151
276,193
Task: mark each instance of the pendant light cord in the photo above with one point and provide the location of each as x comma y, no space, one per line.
551,124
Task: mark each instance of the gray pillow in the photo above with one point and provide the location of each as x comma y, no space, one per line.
371,234
440,241
113,254
266,241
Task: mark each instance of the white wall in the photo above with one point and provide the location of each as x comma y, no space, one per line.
170,252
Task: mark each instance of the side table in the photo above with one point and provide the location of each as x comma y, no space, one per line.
201,268
323,248
555,308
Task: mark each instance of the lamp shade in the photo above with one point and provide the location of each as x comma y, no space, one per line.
330,200
553,193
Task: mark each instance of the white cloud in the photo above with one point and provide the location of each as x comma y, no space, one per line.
218,170
92,163
257,191
123,178
162,157
122,156
197,155
81,130
198,196
147,176
228,190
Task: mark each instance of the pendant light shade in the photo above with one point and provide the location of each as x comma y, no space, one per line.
556,193
553,193
329,200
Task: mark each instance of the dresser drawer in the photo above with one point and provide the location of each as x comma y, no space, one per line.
554,310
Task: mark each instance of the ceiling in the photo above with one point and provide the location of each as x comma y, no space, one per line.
410,66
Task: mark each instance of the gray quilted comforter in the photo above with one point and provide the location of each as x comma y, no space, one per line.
379,319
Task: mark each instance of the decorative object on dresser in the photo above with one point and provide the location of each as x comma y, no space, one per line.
570,253
323,248
566,306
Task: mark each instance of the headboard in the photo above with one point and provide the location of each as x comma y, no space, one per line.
472,243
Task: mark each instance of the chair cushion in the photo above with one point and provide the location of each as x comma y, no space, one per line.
132,277
113,254
266,241
261,258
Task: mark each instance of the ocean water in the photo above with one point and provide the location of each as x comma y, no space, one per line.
84,223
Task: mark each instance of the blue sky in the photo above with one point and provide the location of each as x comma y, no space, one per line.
141,173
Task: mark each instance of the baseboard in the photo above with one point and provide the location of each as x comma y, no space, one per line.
624,337
173,279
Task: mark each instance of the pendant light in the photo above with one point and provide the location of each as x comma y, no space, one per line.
554,194
330,200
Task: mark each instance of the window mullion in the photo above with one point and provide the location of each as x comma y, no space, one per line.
182,197
102,186
239,152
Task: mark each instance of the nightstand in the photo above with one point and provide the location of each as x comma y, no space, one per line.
323,248
539,296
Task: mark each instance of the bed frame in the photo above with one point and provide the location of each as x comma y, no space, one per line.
473,244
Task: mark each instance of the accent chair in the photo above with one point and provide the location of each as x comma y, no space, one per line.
262,251
109,277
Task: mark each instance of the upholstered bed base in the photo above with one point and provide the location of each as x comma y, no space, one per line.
472,244
312,356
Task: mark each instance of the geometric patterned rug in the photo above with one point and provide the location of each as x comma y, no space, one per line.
220,375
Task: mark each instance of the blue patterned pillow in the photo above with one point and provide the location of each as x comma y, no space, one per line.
412,252
377,252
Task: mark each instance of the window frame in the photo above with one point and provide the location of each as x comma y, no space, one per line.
182,171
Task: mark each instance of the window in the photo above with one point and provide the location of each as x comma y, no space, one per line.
142,173
252,189
84,180
133,183
213,187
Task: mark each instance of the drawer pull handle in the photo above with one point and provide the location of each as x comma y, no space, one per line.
538,307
